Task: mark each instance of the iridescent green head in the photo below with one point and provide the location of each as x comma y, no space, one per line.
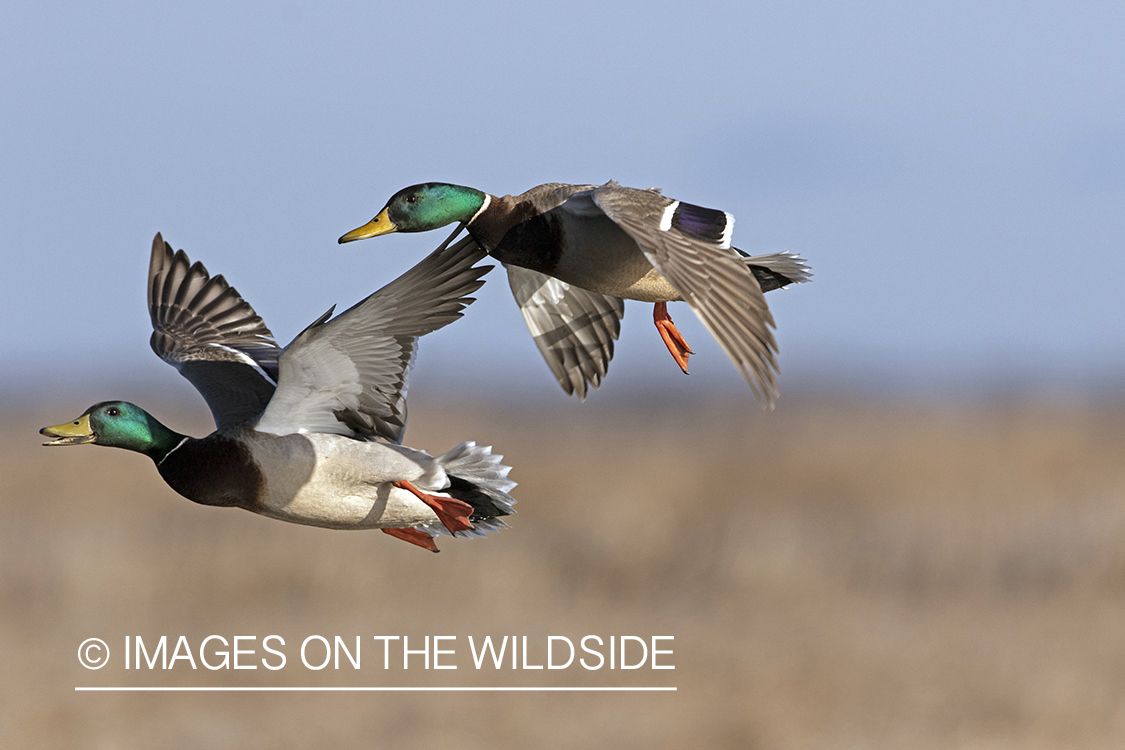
420,208
117,424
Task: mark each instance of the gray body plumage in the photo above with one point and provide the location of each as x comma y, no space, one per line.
336,482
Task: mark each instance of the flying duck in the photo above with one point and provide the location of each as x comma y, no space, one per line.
574,253
311,433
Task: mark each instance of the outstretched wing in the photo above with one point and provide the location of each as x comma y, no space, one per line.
573,328
203,328
690,246
347,375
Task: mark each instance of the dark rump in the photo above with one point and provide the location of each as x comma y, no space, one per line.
484,507
769,280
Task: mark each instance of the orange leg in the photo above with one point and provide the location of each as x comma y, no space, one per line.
673,339
454,513
414,536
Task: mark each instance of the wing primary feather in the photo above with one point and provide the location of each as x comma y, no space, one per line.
348,375
213,337
573,328
689,246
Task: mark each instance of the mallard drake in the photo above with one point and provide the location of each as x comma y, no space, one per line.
573,252
310,433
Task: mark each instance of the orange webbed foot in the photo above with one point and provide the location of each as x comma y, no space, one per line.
454,513
414,536
673,339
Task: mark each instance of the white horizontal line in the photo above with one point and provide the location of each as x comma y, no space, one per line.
372,689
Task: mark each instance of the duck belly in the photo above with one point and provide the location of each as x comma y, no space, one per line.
652,287
340,483
600,256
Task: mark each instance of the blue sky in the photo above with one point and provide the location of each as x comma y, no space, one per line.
954,172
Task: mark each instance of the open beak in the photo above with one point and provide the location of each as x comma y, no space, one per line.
70,433
381,224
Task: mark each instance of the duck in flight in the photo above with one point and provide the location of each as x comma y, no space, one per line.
311,433
574,253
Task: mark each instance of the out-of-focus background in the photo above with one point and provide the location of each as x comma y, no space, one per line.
920,547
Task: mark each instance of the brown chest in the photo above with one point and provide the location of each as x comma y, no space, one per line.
516,233
215,470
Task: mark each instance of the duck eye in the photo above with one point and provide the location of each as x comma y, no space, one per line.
112,411
412,199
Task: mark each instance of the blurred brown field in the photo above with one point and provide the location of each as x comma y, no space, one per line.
839,573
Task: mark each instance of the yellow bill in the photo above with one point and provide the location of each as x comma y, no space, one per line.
381,224
70,433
